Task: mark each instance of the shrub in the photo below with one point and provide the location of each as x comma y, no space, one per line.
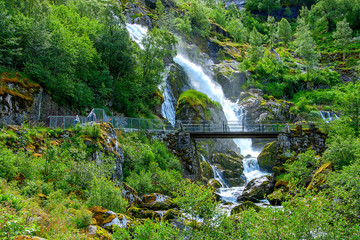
104,193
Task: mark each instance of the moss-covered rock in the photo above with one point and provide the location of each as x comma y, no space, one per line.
98,232
231,166
258,188
215,183
267,157
131,195
207,171
157,201
171,214
197,106
319,177
143,213
245,206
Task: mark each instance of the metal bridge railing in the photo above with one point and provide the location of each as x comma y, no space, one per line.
164,125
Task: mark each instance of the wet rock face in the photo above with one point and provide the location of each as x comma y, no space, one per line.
182,146
177,80
261,110
267,157
226,73
231,166
108,144
22,100
258,188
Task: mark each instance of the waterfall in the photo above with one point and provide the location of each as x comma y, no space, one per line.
328,116
168,108
202,82
137,33
217,174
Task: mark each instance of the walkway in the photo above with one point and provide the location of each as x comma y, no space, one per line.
228,129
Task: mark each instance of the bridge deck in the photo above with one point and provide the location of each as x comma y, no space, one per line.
234,134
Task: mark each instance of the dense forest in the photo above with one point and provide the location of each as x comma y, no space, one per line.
304,53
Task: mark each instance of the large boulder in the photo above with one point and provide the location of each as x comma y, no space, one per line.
263,110
227,74
245,206
231,167
143,213
258,188
106,219
131,195
158,201
22,100
267,157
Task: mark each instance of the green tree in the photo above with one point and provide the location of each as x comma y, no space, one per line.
349,103
305,47
199,22
272,35
269,5
237,30
256,52
342,35
284,30
328,10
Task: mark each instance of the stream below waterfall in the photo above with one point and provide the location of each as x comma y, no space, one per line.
204,83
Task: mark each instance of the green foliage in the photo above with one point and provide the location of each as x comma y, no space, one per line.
148,230
104,193
91,130
199,22
149,166
201,206
237,30
305,46
284,30
342,151
301,169
256,51
342,35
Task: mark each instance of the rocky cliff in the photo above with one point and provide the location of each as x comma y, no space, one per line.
22,100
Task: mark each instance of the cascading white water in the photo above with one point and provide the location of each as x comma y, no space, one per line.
217,173
328,116
203,83
137,33
168,108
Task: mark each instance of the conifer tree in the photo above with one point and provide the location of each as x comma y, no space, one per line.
284,30
342,35
256,51
305,47
271,24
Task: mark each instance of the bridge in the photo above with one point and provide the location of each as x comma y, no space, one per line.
224,129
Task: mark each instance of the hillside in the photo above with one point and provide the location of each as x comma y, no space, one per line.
296,63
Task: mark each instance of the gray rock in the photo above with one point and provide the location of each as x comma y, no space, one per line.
258,188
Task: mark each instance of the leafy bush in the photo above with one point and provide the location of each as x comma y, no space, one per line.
104,193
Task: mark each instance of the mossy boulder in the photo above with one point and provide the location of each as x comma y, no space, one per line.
231,167
143,213
264,109
207,171
215,183
131,195
258,188
319,179
157,201
245,206
267,157
98,232
171,214
102,215
197,107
